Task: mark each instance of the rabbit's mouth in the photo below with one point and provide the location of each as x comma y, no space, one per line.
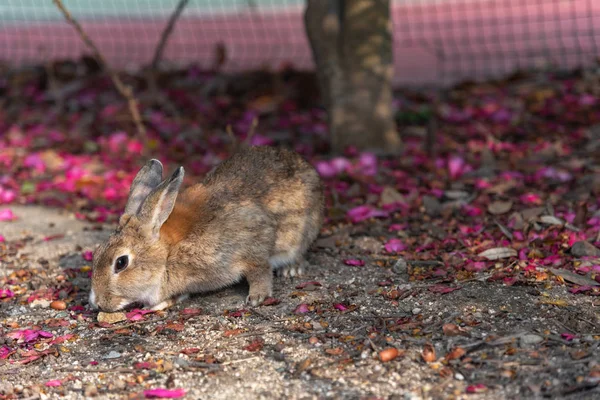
132,306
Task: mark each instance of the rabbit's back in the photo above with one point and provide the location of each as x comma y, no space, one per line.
282,184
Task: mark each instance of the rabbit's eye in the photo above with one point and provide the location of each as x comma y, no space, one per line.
121,263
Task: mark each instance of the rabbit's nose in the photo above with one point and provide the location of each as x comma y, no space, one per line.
92,300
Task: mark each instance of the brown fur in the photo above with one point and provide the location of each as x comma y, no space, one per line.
258,210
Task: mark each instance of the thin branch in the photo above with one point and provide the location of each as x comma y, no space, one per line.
95,370
136,323
167,32
122,88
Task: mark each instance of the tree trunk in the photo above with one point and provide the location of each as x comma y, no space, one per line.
351,42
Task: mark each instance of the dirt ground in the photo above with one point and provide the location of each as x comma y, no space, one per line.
474,339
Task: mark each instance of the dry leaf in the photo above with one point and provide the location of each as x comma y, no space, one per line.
500,207
428,353
551,220
584,249
573,277
498,253
111,318
390,196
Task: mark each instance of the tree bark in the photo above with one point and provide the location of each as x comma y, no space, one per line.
351,42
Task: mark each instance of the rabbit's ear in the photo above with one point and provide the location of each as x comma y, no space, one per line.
160,202
145,181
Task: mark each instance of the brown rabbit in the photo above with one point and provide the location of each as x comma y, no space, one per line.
257,211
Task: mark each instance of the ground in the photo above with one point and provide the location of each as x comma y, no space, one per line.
514,337
466,267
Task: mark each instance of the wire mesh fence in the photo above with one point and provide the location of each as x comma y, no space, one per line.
435,41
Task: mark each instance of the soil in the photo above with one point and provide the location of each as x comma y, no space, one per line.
321,340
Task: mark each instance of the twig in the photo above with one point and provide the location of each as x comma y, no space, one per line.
166,33
239,360
250,334
135,323
375,348
123,89
95,370
252,131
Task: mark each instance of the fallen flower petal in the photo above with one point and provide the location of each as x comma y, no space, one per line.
354,262
477,388
301,309
395,246
164,393
6,214
53,383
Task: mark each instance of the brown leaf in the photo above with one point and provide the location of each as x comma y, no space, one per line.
454,330
428,353
111,318
189,350
232,332
500,207
579,354
271,301
336,351
551,220
256,345
455,353
498,253
583,249
390,196
573,277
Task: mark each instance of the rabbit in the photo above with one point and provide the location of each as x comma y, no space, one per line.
254,213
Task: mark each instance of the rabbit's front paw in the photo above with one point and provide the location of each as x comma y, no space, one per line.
256,299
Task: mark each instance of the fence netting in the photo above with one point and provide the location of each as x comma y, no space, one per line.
435,41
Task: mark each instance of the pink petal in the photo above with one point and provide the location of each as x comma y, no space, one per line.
4,352
340,306
6,293
395,245
88,255
354,262
456,166
164,393
6,214
301,309
310,283
361,213
53,383
568,336
477,388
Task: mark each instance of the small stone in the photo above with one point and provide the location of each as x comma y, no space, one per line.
400,266
459,377
90,391
112,354
111,318
39,303
583,249
313,340
63,294
416,311
58,305
182,362
530,339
